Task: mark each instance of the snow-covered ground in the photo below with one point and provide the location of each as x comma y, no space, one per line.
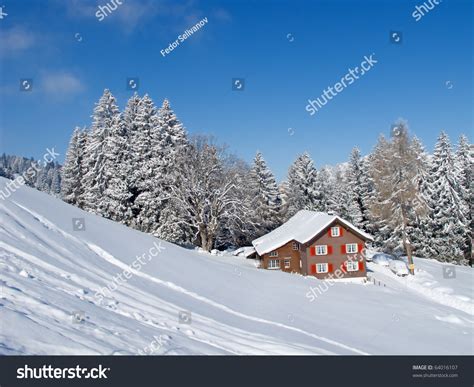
48,272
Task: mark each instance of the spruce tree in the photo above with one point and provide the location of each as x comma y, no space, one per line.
447,208
96,178
115,204
266,201
419,229
73,170
325,188
302,186
146,140
464,166
170,144
358,187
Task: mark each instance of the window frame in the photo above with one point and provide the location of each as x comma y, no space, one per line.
321,246
352,244
352,267
323,271
295,246
272,267
285,260
273,253
338,231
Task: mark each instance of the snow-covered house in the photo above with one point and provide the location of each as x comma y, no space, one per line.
314,243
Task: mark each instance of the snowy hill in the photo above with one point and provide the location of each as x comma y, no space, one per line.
48,272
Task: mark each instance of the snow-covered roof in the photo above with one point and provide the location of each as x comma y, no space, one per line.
245,251
302,227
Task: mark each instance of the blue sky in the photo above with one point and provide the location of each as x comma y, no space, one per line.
287,51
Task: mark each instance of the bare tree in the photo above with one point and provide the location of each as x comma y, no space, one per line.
206,192
397,199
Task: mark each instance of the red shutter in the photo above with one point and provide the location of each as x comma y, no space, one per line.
341,231
361,247
343,249
313,269
361,266
329,232
329,249
343,268
329,267
312,250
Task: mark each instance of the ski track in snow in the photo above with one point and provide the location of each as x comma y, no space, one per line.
109,258
105,255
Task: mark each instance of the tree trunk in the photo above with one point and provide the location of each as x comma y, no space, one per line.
207,241
203,237
407,246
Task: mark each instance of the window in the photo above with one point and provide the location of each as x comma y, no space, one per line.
321,267
296,246
274,254
352,266
335,231
321,250
274,264
287,263
351,248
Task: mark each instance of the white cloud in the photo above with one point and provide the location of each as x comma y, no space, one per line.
60,83
15,40
79,8
129,14
222,15
132,14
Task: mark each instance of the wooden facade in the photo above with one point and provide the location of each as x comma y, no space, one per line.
329,254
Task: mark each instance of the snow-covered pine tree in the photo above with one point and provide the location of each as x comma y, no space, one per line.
43,177
72,173
342,203
266,203
172,142
325,188
56,182
131,159
419,225
115,203
95,179
146,142
447,208
283,190
358,188
302,193
173,133
464,166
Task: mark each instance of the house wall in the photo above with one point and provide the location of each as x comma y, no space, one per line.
285,251
336,257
